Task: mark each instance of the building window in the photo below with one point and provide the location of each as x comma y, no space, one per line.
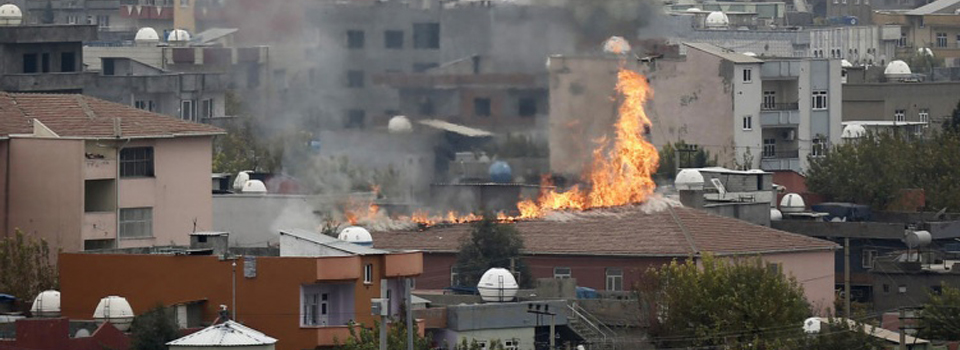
393,39
769,148
614,279
924,115
206,108
187,110
426,35
73,19
900,115
68,62
747,75
147,105
774,268
136,162
45,63
423,67
481,107
819,147
136,222
184,3
769,100
820,100
958,40
311,304
368,273
867,259
903,40
103,21
355,119
30,63
527,107
936,290
426,106
355,39
941,39
561,272
355,78
454,276
748,122
902,289
886,288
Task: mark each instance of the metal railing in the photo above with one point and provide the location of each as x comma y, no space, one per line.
786,106
781,154
606,334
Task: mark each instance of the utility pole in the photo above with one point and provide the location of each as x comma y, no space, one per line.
903,329
233,310
846,276
384,305
408,284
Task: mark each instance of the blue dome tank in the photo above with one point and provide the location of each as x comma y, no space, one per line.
500,172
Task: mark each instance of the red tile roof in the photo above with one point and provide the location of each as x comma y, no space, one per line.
625,231
89,117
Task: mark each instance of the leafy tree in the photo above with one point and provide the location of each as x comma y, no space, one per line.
697,158
491,244
152,330
941,315
25,268
952,122
243,149
735,303
475,345
369,339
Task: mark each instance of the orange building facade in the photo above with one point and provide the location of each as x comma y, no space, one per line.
304,302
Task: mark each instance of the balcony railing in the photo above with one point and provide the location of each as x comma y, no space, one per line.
781,154
787,106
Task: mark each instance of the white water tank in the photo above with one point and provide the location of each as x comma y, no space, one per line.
616,45
853,131
688,179
356,235
115,310
811,325
917,239
792,203
399,125
10,15
897,69
775,215
717,19
254,186
147,35
46,304
178,35
497,285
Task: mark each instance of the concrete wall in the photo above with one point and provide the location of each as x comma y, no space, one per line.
147,55
814,271
917,287
178,193
747,96
256,220
879,101
45,184
492,316
525,337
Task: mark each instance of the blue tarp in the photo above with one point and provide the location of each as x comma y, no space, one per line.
7,297
586,293
847,211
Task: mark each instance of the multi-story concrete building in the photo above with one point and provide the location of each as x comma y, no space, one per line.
39,58
84,173
751,113
935,26
870,98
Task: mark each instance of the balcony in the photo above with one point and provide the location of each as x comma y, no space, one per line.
404,264
776,70
782,160
99,225
100,169
46,82
338,268
780,114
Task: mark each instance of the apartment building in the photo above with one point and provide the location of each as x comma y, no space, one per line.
84,173
935,26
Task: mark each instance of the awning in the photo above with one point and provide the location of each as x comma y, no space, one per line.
454,128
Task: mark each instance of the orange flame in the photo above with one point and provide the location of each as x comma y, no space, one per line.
622,171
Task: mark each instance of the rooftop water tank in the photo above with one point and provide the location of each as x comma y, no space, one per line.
241,179
10,15
399,125
147,35
689,179
500,172
811,325
853,131
46,304
115,310
917,239
845,64
178,35
749,53
792,203
616,45
254,186
717,19
775,215
356,235
897,69
497,285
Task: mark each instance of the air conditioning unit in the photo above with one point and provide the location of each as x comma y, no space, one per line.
789,135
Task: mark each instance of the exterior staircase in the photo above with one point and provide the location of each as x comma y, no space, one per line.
596,334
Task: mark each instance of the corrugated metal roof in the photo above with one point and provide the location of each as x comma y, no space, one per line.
723,53
932,7
454,128
333,243
228,333
213,34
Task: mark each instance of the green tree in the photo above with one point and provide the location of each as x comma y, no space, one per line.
25,268
941,315
696,157
952,122
369,338
152,330
491,244
735,303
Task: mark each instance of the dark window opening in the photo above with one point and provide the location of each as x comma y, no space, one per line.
97,244
68,62
45,63
426,106
30,63
108,66
426,35
393,39
481,107
355,78
136,162
253,76
202,239
355,39
527,107
355,119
